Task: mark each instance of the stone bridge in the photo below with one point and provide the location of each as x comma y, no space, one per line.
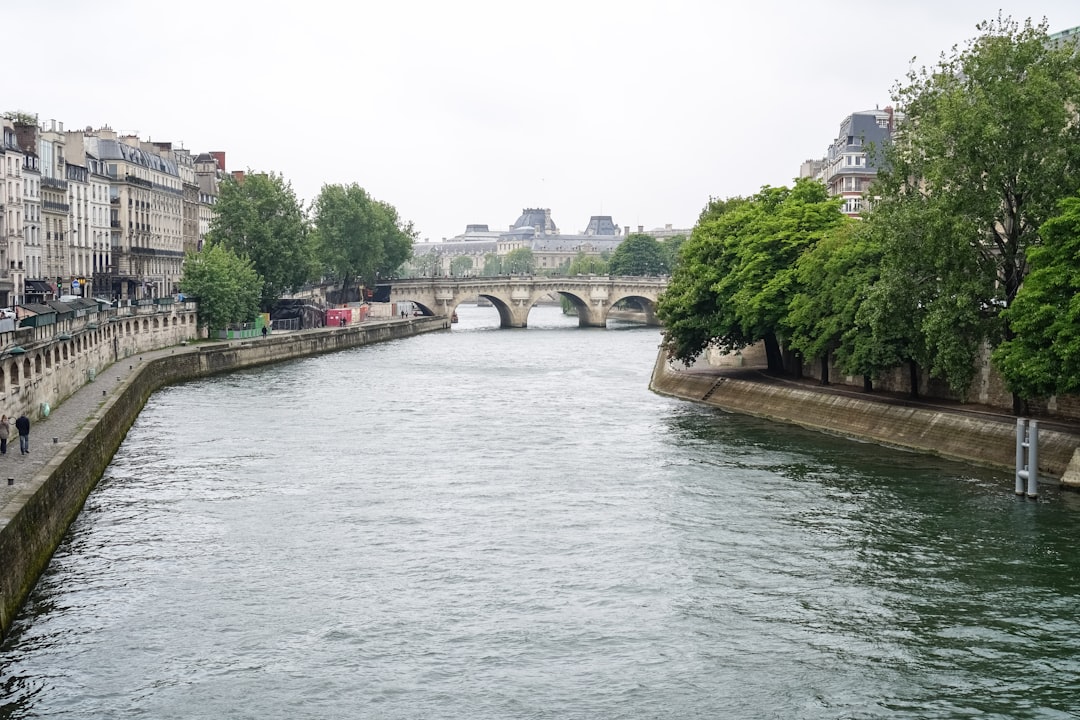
514,295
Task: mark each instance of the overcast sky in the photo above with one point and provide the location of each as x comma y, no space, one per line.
468,111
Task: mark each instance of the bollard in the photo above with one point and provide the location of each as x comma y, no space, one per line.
11,481
1033,461
1021,442
1027,458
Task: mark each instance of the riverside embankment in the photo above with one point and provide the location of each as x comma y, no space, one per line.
961,432
75,443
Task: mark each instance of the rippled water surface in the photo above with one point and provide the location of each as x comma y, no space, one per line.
494,523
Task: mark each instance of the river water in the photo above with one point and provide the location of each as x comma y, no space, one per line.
492,523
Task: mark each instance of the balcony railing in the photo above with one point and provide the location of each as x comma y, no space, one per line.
54,183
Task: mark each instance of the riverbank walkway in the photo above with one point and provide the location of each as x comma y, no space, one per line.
758,374
48,436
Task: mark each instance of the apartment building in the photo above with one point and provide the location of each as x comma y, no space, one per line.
146,214
12,215
850,163
209,169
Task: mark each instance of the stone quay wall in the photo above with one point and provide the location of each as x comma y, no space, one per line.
35,521
968,437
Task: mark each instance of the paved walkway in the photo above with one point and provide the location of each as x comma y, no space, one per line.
986,412
64,422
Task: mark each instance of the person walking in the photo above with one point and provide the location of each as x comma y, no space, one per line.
5,430
23,426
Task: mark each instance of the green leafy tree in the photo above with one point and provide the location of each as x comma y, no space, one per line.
359,238
461,265
639,254
671,249
989,144
1043,357
737,277
832,279
492,265
259,217
519,260
584,264
694,313
225,284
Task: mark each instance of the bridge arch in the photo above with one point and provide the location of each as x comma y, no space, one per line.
646,305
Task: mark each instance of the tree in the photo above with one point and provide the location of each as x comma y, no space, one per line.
519,260
259,217
639,254
989,145
671,249
492,264
692,310
358,237
737,275
226,285
1043,357
583,264
461,265
832,278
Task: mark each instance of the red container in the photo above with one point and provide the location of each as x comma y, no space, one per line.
338,317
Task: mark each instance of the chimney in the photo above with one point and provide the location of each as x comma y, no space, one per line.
219,155
641,228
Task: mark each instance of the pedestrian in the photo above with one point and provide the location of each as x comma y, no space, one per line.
5,430
23,426
264,331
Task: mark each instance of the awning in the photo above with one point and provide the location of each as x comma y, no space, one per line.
38,286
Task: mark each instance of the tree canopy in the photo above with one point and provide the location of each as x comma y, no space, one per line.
519,260
359,237
737,276
461,265
988,145
260,218
226,285
1043,357
583,264
639,254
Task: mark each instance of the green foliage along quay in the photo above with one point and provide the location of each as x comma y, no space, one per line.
736,274
987,147
639,254
260,218
226,285
357,236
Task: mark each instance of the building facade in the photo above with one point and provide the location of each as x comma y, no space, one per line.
851,161
12,217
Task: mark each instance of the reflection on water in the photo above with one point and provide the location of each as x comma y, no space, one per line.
492,523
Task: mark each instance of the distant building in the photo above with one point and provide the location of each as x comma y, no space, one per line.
534,229
850,164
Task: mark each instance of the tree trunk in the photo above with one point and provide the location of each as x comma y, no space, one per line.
773,355
914,378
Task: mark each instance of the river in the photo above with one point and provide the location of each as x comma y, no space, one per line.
488,523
